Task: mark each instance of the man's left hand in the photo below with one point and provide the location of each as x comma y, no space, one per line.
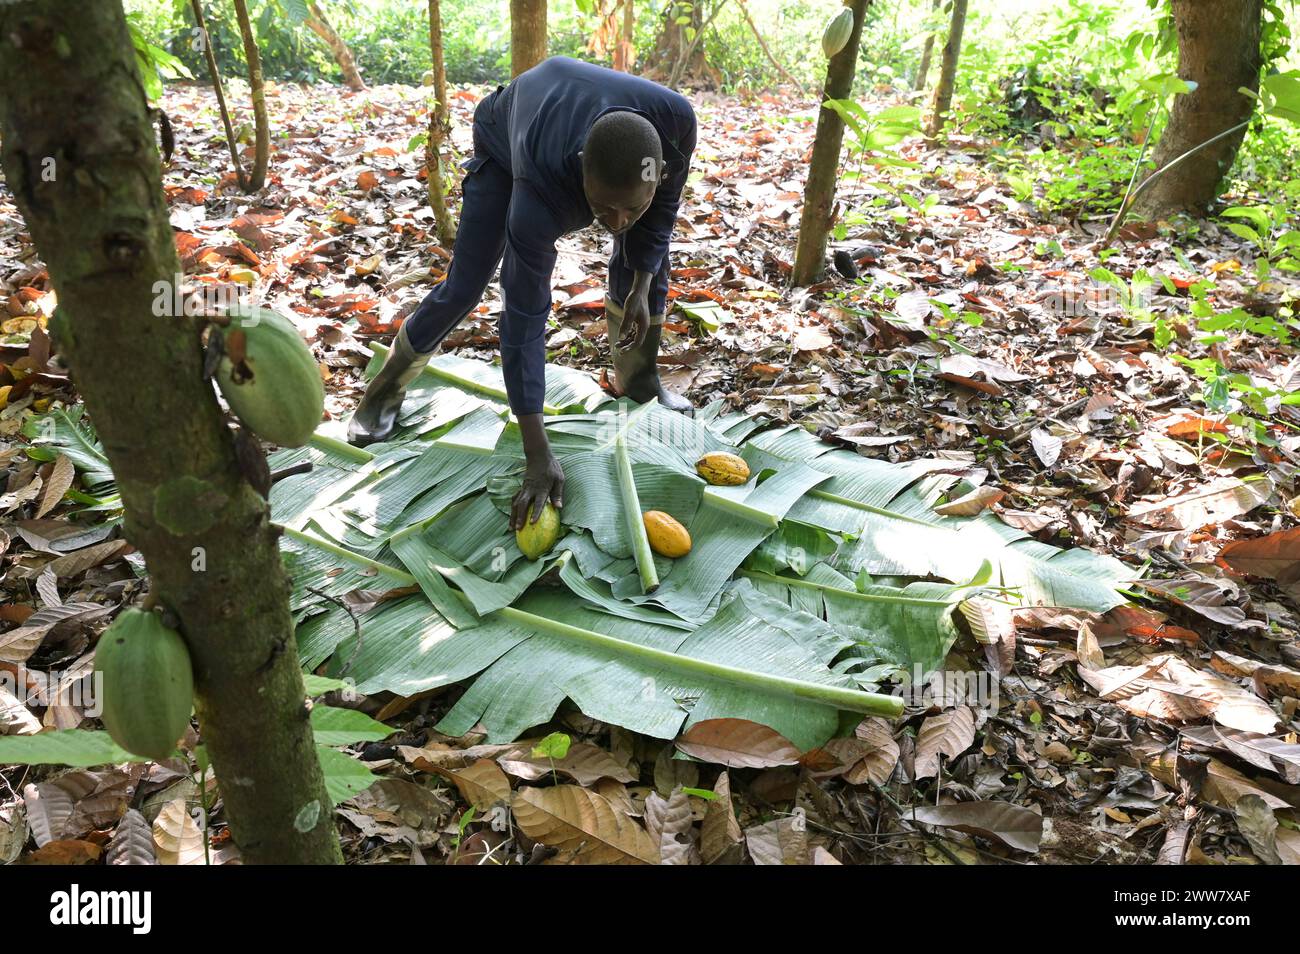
636,318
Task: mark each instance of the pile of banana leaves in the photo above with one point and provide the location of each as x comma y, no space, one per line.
825,576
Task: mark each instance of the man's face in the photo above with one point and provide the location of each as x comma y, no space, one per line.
617,209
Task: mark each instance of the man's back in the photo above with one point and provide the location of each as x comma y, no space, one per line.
537,125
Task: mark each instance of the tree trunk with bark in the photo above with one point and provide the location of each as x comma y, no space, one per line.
80,158
262,149
1219,49
947,70
923,69
319,24
624,52
678,54
205,38
439,129
819,191
527,34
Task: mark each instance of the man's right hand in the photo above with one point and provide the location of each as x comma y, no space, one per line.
543,476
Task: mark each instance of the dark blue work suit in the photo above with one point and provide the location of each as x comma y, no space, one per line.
523,190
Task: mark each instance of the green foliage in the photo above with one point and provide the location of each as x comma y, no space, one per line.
155,63
1249,405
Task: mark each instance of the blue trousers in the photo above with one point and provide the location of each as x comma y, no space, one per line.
480,244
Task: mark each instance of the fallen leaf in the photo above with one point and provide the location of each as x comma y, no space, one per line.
737,743
1013,825
482,784
949,733
1211,504
57,483
972,503
1046,446
582,826
1274,557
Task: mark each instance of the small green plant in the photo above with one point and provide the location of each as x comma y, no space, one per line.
1258,224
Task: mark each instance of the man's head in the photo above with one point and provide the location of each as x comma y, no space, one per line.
622,162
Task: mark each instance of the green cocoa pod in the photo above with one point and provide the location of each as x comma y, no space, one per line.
269,377
836,35
146,683
536,539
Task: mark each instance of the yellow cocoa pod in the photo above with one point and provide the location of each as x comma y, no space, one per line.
668,538
722,469
536,539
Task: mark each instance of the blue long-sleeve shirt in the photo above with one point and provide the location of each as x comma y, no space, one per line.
535,128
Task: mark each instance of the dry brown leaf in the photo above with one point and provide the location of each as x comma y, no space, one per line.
1013,825
670,824
436,755
481,784
65,853
878,764
949,733
972,504
1261,751
584,763
1210,504
177,835
132,843
1258,825
1167,687
1201,596
1275,557
62,473
737,743
18,644
582,826
15,717
720,832
782,841
1224,785
1047,446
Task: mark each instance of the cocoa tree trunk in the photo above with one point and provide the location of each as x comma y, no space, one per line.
241,177
947,70
691,62
320,25
439,128
1218,48
80,158
675,55
923,69
624,53
527,34
819,191
262,149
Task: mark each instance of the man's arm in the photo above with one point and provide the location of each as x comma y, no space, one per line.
526,285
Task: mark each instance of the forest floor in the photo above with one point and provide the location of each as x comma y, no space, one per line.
1161,731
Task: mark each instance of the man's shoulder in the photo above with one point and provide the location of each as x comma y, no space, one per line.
559,68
